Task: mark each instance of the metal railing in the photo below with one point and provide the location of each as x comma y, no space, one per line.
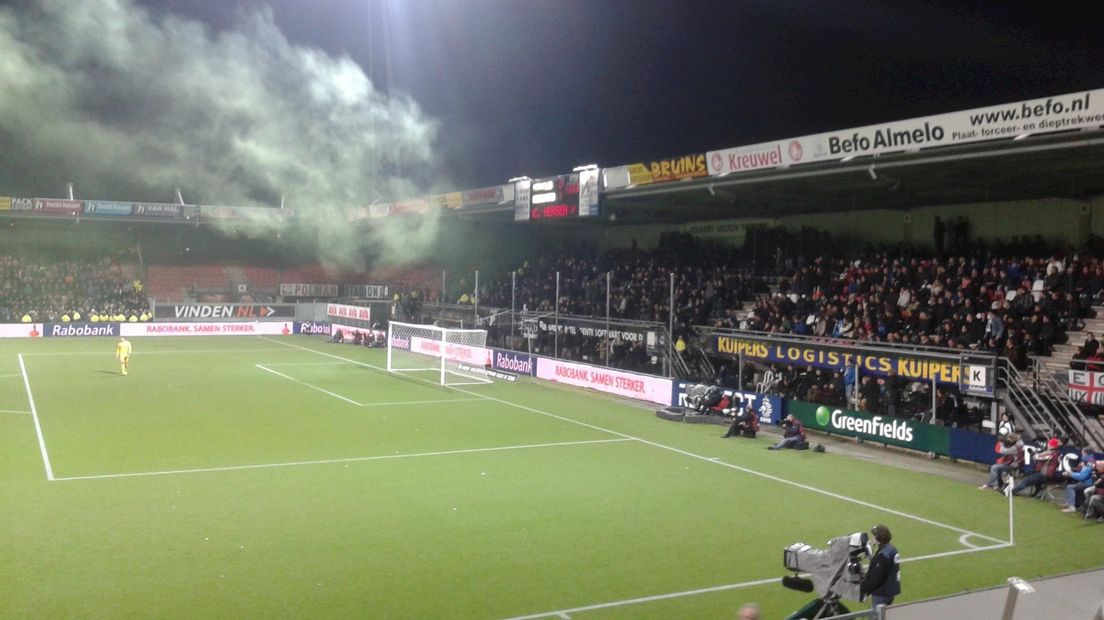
1088,432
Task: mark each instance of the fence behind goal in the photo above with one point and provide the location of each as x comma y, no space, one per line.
454,356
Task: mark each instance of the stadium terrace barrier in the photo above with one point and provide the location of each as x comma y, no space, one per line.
909,434
255,328
21,330
618,382
768,406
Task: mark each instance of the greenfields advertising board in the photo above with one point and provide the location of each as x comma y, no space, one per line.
878,428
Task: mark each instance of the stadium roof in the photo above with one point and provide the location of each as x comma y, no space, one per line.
1068,165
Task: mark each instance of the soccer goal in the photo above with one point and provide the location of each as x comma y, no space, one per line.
456,356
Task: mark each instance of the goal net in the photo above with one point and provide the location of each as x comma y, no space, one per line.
454,356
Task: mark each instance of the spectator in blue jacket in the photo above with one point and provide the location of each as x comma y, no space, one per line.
1079,480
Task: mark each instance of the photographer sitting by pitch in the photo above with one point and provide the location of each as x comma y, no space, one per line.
793,435
746,424
883,580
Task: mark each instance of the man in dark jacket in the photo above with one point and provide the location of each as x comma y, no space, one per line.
883,580
792,436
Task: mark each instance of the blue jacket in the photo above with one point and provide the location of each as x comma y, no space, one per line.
884,576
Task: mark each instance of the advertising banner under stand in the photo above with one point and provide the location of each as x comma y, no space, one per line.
5,203
254,328
228,312
574,327
913,367
767,406
105,207
21,330
308,290
58,206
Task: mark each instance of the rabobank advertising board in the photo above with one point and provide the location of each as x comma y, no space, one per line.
512,361
820,356
70,330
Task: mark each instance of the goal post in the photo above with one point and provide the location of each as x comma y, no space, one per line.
453,356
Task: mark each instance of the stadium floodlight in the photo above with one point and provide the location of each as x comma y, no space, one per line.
519,179
453,356
585,167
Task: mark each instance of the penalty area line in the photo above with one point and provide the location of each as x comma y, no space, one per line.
15,411
565,613
355,459
311,386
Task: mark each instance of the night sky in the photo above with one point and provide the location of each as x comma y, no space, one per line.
536,87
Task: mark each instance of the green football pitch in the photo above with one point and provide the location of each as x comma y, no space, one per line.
286,477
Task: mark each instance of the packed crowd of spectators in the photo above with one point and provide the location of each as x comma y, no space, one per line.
1016,299
42,289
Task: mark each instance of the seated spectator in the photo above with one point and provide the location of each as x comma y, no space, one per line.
793,435
1079,481
1094,505
1045,470
1011,451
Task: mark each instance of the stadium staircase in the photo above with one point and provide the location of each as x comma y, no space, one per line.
1042,407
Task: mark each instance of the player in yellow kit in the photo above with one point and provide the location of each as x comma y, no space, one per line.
122,353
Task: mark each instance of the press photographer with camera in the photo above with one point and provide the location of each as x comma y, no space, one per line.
883,579
793,435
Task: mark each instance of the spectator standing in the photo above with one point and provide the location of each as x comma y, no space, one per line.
883,580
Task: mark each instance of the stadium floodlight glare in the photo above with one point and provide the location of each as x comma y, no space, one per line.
518,179
454,356
585,167
870,171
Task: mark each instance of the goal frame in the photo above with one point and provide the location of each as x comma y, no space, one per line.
439,364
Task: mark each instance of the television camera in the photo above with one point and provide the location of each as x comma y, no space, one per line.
833,573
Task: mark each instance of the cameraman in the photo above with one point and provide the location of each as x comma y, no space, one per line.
745,424
792,436
883,580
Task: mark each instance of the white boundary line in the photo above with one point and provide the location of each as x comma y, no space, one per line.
565,613
15,411
311,386
684,452
37,425
422,402
356,459
160,352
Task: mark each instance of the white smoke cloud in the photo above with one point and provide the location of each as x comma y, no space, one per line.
129,105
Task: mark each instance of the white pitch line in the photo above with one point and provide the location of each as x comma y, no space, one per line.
683,452
15,411
37,425
10,376
559,613
356,459
421,402
160,352
311,386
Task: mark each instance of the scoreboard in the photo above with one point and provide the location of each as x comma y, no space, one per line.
554,198
558,197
